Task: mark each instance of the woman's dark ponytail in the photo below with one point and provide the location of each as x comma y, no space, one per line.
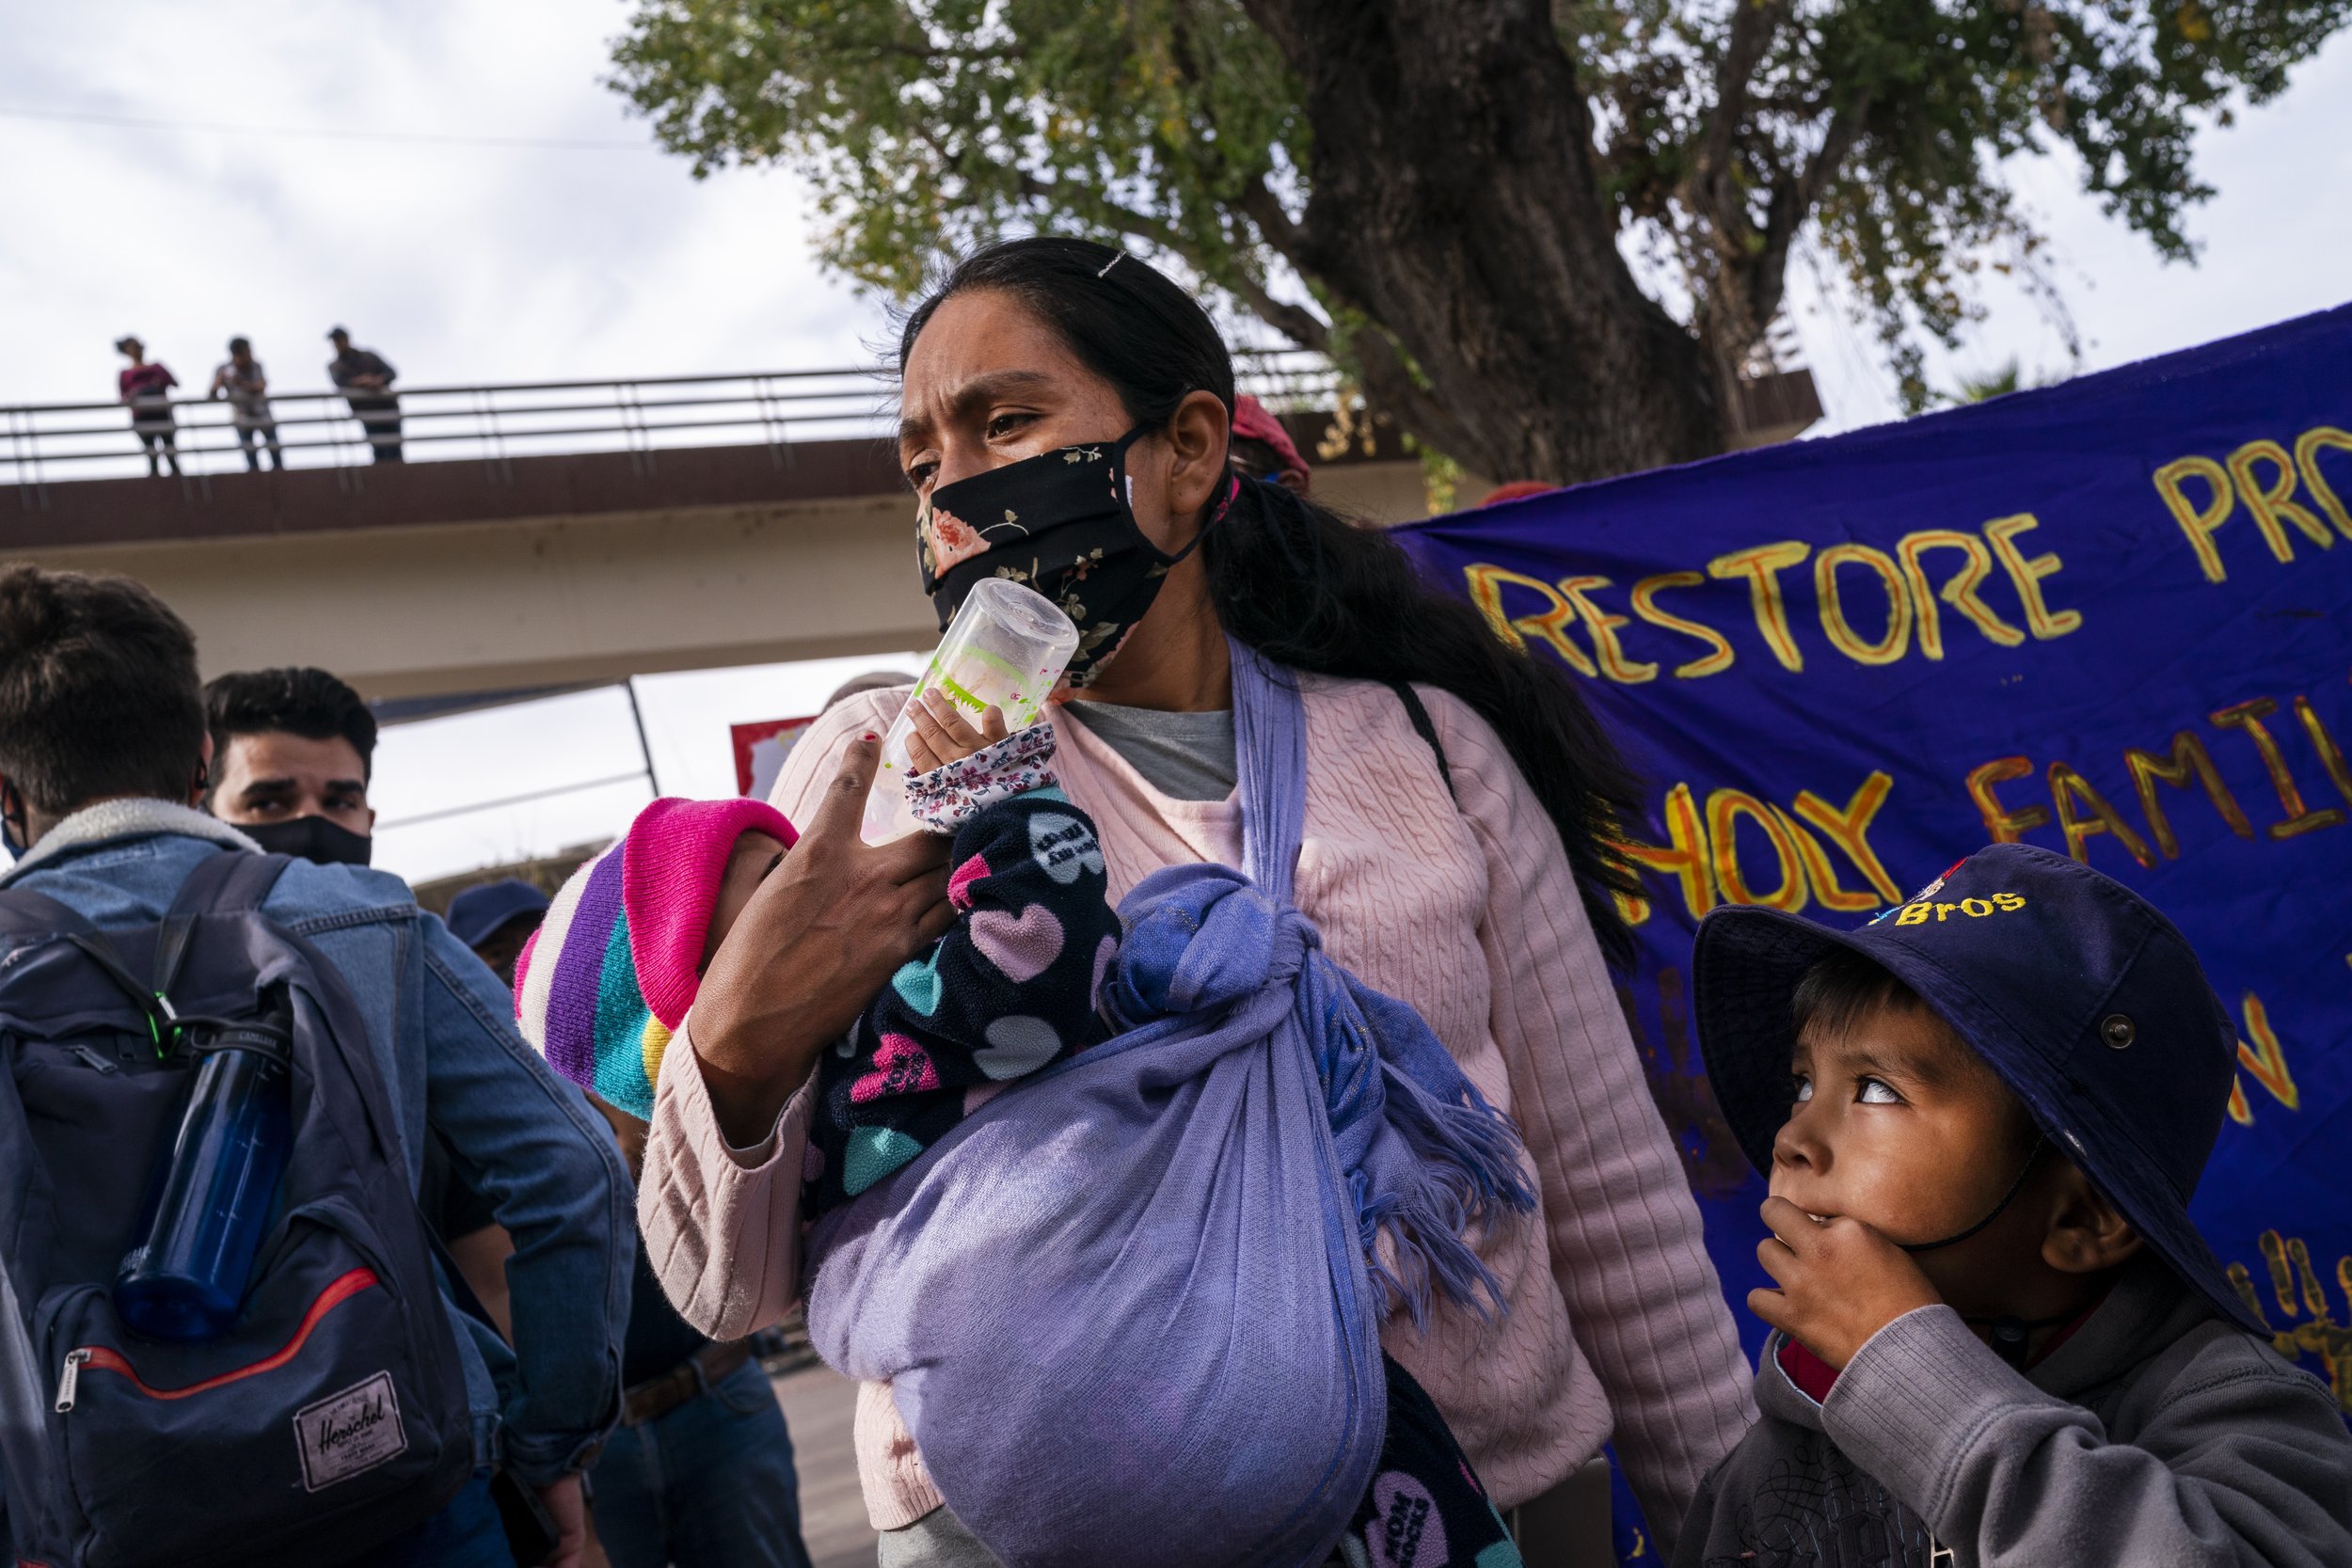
1308,588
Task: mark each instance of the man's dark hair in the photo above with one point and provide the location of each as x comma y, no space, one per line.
98,691
240,344
298,701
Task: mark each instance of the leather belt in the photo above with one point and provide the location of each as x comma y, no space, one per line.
656,1396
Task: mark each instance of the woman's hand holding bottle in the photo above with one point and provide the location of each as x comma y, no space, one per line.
824,932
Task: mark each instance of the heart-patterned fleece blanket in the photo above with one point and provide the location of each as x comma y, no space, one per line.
1012,989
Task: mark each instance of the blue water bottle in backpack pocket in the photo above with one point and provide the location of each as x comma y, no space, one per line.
213,1193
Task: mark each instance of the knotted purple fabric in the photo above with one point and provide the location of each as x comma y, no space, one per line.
1131,1307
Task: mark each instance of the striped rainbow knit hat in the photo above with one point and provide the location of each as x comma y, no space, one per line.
609,976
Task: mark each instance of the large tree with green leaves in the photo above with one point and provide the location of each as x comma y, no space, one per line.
1434,192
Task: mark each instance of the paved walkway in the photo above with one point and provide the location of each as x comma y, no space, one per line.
819,1405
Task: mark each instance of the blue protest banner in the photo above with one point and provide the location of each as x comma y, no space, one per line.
2112,617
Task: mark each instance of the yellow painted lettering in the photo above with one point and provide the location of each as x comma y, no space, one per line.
1960,592
2308,447
2265,1058
1602,628
2330,755
1849,828
1762,566
1827,891
1645,598
1943,909
2005,826
2009,900
1724,807
2069,790
1969,907
1897,639
2199,522
2272,505
1914,914
2043,621
2249,717
1548,625
2188,759
1683,857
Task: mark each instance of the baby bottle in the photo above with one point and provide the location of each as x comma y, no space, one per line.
1005,649
216,1187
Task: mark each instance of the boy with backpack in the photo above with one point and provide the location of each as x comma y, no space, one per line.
348,1409
1997,1336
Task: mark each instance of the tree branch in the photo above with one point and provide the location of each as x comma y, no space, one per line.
1391,388
1752,24
953,162
1729,314
1281,232
1295,322
1792,203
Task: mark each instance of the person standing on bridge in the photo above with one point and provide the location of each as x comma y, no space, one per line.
239,379
147,388
365,379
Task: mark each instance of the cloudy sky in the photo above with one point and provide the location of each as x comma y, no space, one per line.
464,260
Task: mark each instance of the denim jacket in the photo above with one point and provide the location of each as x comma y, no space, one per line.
443,1033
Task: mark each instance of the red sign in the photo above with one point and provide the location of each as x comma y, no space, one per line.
760,750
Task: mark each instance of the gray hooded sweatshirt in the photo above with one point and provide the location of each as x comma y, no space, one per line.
2158,1435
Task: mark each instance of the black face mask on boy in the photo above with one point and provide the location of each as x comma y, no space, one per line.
1060,523
310,838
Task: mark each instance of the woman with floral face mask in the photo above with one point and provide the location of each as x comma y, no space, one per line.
1064,422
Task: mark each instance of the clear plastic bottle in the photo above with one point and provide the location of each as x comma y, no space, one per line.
1005,649
216,1187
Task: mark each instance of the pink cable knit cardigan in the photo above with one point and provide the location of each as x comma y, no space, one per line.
1616,1319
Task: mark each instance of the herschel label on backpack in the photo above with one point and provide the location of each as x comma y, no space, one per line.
347,1434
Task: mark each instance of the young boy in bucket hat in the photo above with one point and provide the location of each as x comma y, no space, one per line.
1997,1337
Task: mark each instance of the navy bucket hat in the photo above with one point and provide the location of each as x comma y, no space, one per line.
476,914
2085,1000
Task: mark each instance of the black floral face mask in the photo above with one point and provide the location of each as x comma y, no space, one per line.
1059,523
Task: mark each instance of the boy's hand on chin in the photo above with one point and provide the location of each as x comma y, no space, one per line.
1840,1282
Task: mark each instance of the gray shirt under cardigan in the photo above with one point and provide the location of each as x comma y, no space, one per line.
2157,1436
1185,756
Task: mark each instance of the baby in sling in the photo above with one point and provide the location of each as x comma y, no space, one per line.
1026,980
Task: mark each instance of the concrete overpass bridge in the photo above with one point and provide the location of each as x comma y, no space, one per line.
547,534
563,533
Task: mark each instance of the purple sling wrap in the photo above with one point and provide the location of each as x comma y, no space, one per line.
1133,1303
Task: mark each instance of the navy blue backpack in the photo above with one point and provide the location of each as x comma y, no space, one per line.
332,1416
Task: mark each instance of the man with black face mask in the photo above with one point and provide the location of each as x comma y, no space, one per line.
292,750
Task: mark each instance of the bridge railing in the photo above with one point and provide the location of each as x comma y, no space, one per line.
60,442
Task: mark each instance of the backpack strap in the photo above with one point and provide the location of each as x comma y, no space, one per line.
230,882
37,917
1419,714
